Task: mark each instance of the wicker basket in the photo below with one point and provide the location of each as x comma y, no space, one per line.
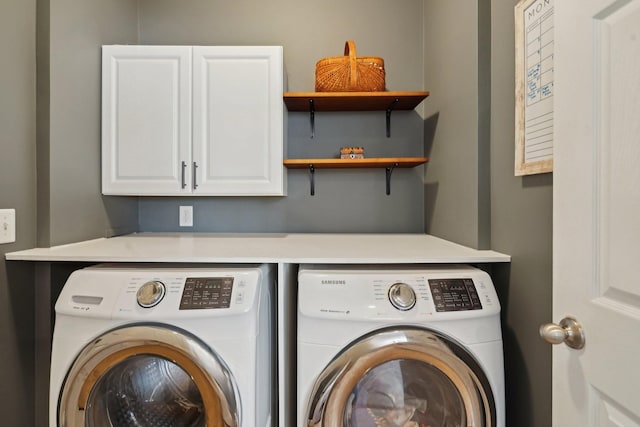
350,74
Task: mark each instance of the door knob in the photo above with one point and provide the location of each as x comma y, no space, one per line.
569,331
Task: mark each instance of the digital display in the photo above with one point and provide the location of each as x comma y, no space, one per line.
454,294
206,292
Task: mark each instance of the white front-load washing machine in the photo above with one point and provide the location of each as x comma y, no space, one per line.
154,345
403,347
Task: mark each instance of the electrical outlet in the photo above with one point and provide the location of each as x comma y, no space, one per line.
186,216
7,225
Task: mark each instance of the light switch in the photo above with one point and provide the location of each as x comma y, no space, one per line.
186,216
7,225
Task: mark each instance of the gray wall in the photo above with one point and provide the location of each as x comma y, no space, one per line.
69,201
345,200
17,191
456,125
521,225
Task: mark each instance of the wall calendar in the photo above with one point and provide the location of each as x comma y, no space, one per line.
534,87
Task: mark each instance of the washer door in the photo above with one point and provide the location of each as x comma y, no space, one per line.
148,375
404,378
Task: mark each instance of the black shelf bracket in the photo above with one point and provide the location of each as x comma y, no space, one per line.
312,175
312,178
389,110
388,172
312,117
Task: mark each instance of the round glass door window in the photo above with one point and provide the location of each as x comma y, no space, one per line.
405,393
145,391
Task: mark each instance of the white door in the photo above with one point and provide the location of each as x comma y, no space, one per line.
238,127
597,211
146,119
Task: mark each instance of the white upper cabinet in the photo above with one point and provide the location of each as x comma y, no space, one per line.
146,119
201,120
238,119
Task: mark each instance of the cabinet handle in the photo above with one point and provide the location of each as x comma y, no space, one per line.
184,170
195,181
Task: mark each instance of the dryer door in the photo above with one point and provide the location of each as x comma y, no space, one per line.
148,375
405,378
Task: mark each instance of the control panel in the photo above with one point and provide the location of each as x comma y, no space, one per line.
436,293
206,292
159,293
454,294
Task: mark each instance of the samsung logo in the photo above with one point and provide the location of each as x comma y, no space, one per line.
333,282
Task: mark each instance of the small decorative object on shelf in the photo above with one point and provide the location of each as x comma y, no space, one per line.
352,153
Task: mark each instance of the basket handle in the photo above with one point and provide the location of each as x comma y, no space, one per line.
350,51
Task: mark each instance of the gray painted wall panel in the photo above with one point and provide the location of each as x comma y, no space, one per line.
17,191
521,218
307,30
77,211
451,74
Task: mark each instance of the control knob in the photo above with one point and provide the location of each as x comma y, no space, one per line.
150,293
402,296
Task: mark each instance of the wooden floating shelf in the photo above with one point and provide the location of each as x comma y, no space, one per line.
379,162
312,102
353,101
388,163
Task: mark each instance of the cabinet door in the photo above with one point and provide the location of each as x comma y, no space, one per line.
238,135
146,120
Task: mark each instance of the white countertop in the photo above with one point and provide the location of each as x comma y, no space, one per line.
264,248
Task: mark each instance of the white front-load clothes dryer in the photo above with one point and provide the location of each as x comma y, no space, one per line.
154,345
405,347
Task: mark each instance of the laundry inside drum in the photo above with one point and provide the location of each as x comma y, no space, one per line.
405,393
145,391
